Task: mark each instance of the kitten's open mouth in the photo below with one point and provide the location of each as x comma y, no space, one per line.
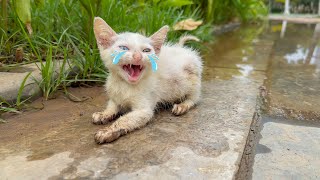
134,71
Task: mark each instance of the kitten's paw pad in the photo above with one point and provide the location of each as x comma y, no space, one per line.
106,136
179,109
101,118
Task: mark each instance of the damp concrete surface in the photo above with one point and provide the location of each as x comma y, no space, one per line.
288,149
54,140
289,143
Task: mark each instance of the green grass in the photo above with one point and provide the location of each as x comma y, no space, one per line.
53,74
62,31
222,11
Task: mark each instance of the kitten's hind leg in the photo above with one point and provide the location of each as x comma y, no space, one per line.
107,115
181,108
127,123
191,99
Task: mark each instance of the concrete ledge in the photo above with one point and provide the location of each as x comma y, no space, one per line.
11,81
295,18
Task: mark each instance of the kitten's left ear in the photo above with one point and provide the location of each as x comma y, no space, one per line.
103,32
159,37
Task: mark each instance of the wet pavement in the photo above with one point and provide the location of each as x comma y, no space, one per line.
288,144
294,75
206,143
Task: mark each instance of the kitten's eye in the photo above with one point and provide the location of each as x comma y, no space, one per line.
125,48
146,50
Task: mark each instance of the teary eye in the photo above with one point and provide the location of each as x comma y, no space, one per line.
146,50
125,48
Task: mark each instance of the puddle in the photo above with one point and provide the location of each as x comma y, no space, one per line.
293,82
238,54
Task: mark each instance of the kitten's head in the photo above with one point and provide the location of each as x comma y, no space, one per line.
134,65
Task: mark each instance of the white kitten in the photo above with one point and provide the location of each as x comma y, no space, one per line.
132,85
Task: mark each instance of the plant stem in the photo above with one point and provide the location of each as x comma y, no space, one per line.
4,15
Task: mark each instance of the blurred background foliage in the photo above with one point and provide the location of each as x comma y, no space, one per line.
296,6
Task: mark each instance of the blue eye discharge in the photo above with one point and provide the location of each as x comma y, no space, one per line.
153,58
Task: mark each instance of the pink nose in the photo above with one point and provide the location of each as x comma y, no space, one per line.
137,57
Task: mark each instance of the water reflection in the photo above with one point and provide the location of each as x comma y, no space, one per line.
298,56
283,28
244,58
237,54
293,78
314,53
245,69
249,49
306,55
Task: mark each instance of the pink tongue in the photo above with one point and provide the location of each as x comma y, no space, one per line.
133,71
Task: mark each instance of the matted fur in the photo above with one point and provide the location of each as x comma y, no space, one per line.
178,79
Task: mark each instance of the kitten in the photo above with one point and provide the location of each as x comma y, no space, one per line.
135,86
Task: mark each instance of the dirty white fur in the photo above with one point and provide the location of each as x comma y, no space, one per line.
177,80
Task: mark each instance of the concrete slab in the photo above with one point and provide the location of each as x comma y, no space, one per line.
303,19
12,79
288,150
206,143
11,82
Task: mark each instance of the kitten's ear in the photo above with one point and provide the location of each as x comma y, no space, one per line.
159,37
103,32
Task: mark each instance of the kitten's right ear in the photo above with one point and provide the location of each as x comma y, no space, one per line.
103,32
159,37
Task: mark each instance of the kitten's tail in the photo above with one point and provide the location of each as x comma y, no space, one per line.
186,38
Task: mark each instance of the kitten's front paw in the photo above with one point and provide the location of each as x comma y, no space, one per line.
179,109
106,136
101,118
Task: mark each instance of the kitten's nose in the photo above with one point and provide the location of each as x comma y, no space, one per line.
137,57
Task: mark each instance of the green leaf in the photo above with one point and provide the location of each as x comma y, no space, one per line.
8,109
175,3
18,103
23,9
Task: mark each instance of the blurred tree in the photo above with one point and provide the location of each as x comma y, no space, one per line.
294,6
